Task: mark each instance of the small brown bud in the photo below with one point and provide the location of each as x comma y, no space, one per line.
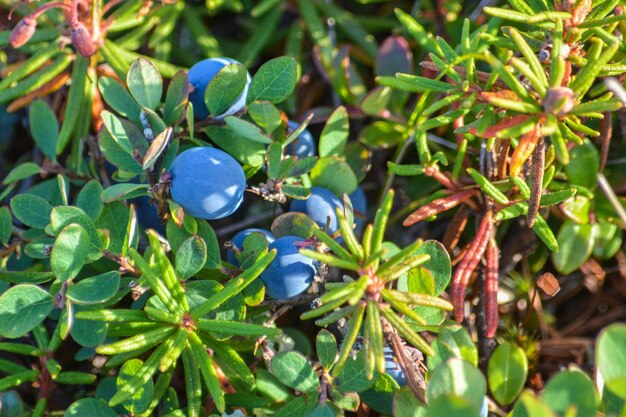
81,39
549,284
559,101
22,33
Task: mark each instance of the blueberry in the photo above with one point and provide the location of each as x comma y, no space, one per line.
304,145
11,404
320,205
290,273
238,242
200,75
359,204
392,368
207,182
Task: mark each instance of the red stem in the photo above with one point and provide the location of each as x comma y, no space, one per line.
491,288
468,264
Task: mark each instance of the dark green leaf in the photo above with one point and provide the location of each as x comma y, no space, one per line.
190,257
70,251
611,358
335,133
22,308
44,127
224,89
22,171
142,397
89,407
576,242
96,289
457,378
274,81
569,389
89,199
293,370
31,210
506,372
145,83
334,174
176,98
326,347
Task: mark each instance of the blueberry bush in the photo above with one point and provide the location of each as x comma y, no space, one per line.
318,208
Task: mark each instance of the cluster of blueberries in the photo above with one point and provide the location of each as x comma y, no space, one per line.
209,184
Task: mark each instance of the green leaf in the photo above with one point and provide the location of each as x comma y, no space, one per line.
335,133
458,378
145,83
405,403
69,252
274,81
87,333
96,289
142,397
451,405
326,347
225,88
118,98
123,191
75,102
265,114
117,155
22,171
334,174
62,216
247,130
327,409
89,199
176,98
89,407
530,406
190,257
31,210
453,342
25,277
125,134
293,224
506,372
414,83
576,243
293,370
438,265
22,308
353,375
241,148
6,225
44,127
298,407
611,358
577,209
584,165
571,389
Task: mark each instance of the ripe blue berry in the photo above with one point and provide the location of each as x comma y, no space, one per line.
320,205
238,239
207,182
290,273
200,75
392,368
303,146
